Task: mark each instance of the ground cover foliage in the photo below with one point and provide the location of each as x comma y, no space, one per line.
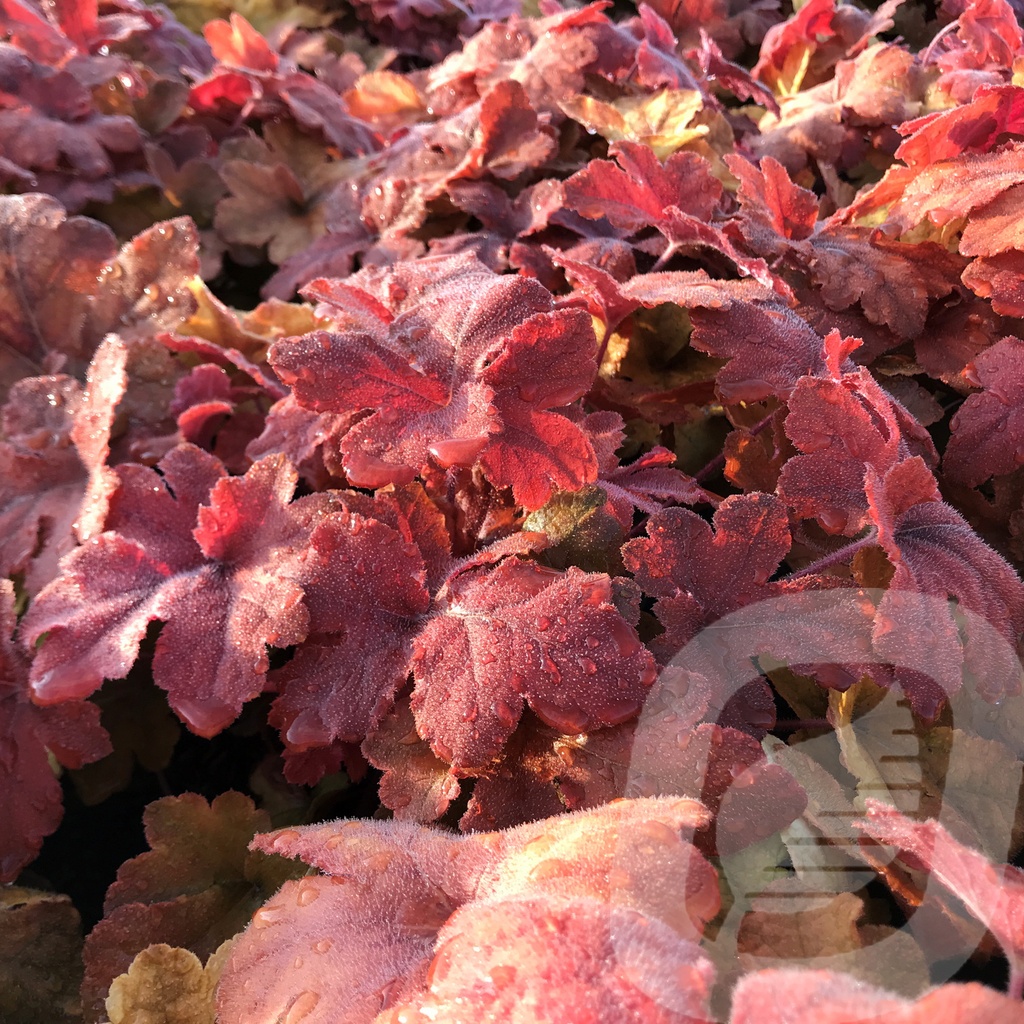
522,505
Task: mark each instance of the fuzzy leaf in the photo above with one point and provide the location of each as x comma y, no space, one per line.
988,430
216,575
828,997
30,795
372,928
523,634
992,893
194,888
458,366
699,574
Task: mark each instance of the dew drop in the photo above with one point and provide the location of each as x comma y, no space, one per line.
505,715
325,343
488,658
660,832
588,666
284,839
543,623
322,946
593,643
307,894
267,916
539,845
470,715
303,1005
502,975
552,670
380,862
554,867
625,639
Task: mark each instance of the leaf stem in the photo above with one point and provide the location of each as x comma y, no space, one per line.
839,555
1015,988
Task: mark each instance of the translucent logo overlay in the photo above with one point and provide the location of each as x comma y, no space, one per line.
807,893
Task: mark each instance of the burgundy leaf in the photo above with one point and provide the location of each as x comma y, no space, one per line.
635,192
993,893
987,433
768,346
220,577
366,592
843,423
936,554
698,573
459,365
801,996
139,290
30,795
522,634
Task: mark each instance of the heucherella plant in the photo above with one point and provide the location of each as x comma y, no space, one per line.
520,504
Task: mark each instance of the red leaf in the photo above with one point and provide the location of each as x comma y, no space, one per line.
544,773
458,366
417,785
699,574
237,44
525,960
634,193
373,927
988,35
41,478
51,266
366,592
516,634
842,425
999,278
30,795
947,189
988,429
828,997
971,127
937,554
772,206
993,893
768,346
224,589
511,139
